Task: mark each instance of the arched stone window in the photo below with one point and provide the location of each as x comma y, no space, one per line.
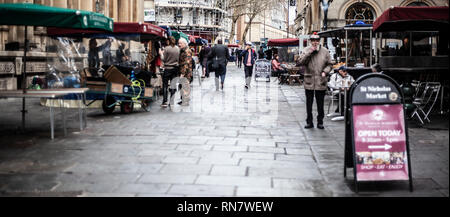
360,11
417,3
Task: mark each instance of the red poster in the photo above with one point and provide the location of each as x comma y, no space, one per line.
380,142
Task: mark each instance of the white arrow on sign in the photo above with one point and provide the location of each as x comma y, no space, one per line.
385,146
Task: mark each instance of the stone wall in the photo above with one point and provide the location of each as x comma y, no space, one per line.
310,14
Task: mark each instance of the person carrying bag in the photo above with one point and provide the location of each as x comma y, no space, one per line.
220,56
170,57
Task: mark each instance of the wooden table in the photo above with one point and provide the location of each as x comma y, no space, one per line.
294,74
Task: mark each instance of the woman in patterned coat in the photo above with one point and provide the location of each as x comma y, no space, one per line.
185,71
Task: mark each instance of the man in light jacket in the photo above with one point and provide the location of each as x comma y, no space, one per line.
317,62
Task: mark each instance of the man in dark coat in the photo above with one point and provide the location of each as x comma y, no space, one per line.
261,53
204,60
219,53
239,57
93,58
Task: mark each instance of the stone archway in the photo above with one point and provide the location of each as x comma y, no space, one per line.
375,7
424,2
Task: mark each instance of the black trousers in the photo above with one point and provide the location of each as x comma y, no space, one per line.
248,71
278,73
320,96
341,95
221,72
207,71
168,75
239,62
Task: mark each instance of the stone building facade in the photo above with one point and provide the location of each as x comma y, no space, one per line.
270,24
310,13
205,18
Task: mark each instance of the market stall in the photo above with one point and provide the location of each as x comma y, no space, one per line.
120,69
412,47
286,48
196,43
177,35
27,14
353,45
413,40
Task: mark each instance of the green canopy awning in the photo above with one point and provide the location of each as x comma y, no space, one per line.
178,35
27,14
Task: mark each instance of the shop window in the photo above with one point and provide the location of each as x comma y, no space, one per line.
195,16
206,15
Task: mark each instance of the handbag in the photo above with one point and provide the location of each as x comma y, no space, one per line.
215,63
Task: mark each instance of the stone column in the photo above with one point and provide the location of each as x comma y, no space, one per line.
106,11
60,3
124,10
114,7
139,11
74,4
87,6
315,10
3,36
131,11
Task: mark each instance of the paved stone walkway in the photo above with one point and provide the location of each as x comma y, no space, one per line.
227,143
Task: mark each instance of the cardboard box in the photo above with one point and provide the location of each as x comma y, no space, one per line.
113,75
116,88
96,85
148,92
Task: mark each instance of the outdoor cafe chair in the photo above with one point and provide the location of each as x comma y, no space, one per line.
425,100
334,97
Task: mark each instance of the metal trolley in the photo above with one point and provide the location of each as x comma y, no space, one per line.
124,95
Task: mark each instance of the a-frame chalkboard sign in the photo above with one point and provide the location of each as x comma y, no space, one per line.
376,133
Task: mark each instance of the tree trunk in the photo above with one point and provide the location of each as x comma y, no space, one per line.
247,27
233,28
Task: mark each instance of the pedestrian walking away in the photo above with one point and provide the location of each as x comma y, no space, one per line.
220,56
170,60
249,56
261,53
239,57
185,64
317,62
204,60
236,55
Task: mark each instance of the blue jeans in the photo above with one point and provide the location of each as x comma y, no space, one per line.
221,72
